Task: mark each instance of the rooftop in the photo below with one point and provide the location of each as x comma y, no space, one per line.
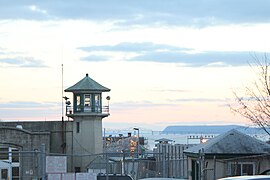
87,84
232,142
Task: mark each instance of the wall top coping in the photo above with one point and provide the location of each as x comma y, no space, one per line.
25,131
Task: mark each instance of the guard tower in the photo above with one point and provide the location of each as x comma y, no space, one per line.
87,113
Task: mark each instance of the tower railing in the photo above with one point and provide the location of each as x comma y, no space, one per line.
87,109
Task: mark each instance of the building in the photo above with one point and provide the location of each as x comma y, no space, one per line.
79,138
229,154
87,113
170,158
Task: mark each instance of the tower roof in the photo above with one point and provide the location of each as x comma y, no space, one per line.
87,84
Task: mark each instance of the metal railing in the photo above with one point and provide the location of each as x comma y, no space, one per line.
87,109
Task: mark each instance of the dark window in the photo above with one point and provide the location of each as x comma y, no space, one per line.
77,127
77,169
247,169
236,169
15,155
241,169
113,177
15,173
4,173
4,153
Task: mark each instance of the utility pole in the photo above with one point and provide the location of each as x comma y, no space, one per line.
43,160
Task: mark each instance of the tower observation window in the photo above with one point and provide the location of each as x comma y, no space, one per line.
97,103
87,102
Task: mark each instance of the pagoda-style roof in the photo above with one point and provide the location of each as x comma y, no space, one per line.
87,84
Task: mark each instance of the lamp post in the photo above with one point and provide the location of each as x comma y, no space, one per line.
138,142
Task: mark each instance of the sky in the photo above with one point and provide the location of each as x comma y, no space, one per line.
170,62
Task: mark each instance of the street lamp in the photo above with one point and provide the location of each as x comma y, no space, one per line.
138,142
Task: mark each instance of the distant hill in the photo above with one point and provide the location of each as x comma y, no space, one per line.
209,129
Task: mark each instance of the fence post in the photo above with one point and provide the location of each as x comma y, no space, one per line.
183,163
43,160
107,163
214,178
199,165
203,165
163,160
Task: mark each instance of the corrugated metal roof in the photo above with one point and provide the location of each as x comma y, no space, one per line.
87,84
231,142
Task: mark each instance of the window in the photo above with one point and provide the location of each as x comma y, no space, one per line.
4,174
77,169
15,173
87,102
241,168
247,169
78,102
97,103
4,154
236,169
77,127
15,155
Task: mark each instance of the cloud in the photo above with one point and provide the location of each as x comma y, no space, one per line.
162,53
28,105
95,58
198,100
133,47
34,8
21,62
173,90
21,110
136,104
211,58
140,12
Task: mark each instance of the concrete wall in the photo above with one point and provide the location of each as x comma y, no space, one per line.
34,133
23,140
55,128
26,140
88,140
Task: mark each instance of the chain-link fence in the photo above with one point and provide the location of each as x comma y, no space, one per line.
16,164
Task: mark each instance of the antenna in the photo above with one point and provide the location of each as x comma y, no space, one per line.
62,92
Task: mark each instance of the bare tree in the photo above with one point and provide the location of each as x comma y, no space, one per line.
255,105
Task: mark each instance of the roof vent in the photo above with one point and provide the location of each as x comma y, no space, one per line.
86,74
19,126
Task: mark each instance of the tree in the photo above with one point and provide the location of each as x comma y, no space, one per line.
255,105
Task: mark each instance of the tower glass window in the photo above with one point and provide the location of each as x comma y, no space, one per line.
78,103
97,103
87,102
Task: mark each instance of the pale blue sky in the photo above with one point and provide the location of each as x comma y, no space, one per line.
167,62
